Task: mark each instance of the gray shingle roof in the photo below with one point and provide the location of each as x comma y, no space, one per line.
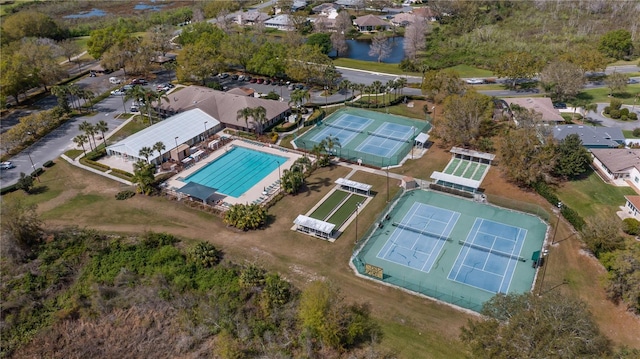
591,136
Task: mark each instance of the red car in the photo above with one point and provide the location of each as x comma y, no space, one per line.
253,80
260,81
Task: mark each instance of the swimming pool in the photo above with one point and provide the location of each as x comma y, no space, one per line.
236,171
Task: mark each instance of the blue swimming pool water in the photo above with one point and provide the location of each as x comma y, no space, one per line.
236,171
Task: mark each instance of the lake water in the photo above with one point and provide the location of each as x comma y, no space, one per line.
359,50
140,6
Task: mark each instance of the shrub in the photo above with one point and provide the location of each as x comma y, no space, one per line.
8,189
615,104
205,254
614,114
97,165
607,110
37,172
624,118
624,112
573,217
122,195
122,172
636,132
633,116
631,226
545,191
48,164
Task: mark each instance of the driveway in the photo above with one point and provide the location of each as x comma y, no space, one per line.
601,120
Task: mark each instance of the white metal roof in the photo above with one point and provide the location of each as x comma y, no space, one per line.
315,224
472,153
467,182
185,126
422,138
353,184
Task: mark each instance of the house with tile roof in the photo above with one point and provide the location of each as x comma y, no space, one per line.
541,105
592,136
222,106
631,208
618,164
370,23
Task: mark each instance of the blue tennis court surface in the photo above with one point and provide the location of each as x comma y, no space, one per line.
419,237
345,128
488,256
236,171
387,139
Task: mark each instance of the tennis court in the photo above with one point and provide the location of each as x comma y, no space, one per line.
452,249
365,136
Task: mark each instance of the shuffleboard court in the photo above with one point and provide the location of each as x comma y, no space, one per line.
329,205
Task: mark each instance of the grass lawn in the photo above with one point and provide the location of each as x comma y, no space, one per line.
329,205
470,71
129,129
372,66
82,42
601,95
629,134
340,216
590,196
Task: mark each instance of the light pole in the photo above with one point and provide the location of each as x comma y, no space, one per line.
553,239
33,165
279,174
205,129
414,141
433,111
357,212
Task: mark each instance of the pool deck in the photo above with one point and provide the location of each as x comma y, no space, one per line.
261,191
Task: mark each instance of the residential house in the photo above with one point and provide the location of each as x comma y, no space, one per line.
351,4
618,164
295,6
591,136
249,17
370,23
327,9
280,22
632,207
405,19
223,106
323,23
541,105
426,13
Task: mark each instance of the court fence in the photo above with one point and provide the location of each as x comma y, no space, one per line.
518,206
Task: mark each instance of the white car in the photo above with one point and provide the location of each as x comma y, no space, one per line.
475,81
118,92
7,165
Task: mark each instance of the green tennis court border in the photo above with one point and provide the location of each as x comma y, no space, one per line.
436,284
348,152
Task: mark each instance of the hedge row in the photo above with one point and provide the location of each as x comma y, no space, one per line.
48,164
14,187
93,164
567,212
316,116
121,172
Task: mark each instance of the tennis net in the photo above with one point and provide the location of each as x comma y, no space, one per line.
419,231
492,251
342,127
399,139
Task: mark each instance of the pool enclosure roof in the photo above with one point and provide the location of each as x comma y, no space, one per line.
315,224
353,184
185,125
467,182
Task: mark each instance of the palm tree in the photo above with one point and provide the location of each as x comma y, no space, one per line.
259,115
80,140
331,142
88,95
87,128
345,85
103,127
297,98
159,146
137,93
376,86
74,91
143,177
401,82
391,84
244,113
146,152
152,97
292,180
62,93
589,107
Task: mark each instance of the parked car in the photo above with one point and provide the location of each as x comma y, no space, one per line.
267,81
118,92
475,81
234,77
114,80
126,87
260,81
241,78
223,75
164,87
138,82
253,81
559,105
291,87
7,165
134,108
247,78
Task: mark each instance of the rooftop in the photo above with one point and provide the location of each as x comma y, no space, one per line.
618,160
591,136
542,105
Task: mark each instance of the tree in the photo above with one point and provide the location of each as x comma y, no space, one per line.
246,217
81,140
529,326
343,23
306,63
15,75
68,48
259,115
161,36
616,82
563,80
437,85
20,224
462,117
330,143
339,43
380,48
322,40
415,38
298,97
39,56
205,254
528,156
617,44
517,65
573,159
329,75
345,85
269,60
376,87
238,49
25,183
292,180
102,126
587,58
199,61
244,113
30,24
146,152
160,147
603,233
61,92
100,40
90,131
143,176
623,279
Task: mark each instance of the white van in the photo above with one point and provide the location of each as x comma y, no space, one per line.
114,80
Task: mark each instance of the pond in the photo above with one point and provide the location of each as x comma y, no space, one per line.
141,6
84,14
359,50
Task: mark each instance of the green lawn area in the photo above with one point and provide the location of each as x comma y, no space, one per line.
372,66
629,133
82,42
129,129
329,205
601,95
470,71
345,211
590,196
